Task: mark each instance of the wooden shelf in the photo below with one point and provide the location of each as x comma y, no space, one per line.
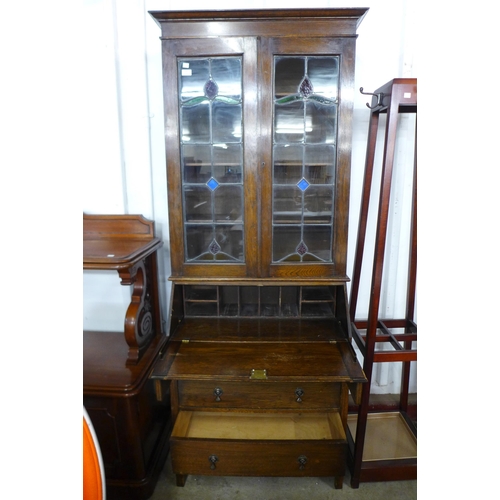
117,242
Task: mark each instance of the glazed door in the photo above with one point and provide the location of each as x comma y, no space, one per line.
211,115
258,134
305,179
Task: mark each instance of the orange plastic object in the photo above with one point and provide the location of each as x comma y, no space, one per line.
92,477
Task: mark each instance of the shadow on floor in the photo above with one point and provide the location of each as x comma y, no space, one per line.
274,488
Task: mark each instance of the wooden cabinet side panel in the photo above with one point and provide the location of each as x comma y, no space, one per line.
128,430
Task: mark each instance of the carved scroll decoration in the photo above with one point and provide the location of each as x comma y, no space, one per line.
139,321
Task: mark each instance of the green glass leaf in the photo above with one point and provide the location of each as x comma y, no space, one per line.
227,100
195,100
289,98
323,100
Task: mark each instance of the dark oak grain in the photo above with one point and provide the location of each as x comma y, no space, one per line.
309,362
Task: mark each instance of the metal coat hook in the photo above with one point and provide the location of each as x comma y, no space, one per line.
380,98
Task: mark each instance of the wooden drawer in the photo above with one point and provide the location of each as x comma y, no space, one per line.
258,444
259,395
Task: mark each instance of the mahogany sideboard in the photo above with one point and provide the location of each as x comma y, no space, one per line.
129,411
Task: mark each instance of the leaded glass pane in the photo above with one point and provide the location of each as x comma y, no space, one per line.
304,157
321,123
228,202
287,201
288,74
324,74
285,241
198,239
226,122
195,123
318,205
319,163
289,123
205,242
226,71
210,110
319,241
287,164
230,239
228,163
193,74
197,204
197,166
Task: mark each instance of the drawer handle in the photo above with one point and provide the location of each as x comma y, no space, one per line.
302,461
213,459
218,393
299,393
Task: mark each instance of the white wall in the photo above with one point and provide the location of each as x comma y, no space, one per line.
126,173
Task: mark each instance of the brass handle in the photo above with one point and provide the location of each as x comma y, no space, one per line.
302,461
218,393
299,393
213,459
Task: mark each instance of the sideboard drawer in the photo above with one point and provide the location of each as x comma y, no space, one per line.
259,394
267,444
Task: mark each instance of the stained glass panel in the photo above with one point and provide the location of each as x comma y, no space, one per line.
304,157
211,120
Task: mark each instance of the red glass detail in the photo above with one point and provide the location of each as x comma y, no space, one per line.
306,88
211,89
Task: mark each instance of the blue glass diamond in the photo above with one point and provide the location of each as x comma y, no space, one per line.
212,184
303,184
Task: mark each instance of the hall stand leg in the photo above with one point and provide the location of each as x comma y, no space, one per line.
393,98
411,292
363,216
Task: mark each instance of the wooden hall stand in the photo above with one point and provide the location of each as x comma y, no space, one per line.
393,456
131,420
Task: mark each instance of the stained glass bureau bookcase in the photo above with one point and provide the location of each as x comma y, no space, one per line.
258,110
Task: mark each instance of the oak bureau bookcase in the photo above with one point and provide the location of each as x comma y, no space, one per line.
258,111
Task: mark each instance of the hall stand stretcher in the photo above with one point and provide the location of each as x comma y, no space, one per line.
129,411
383,445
